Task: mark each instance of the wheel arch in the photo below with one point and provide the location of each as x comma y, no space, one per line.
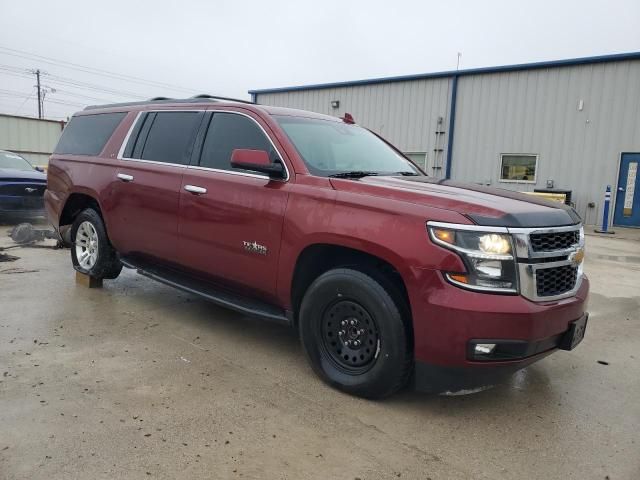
75,203
318,258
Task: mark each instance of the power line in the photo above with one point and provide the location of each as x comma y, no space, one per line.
91,86
91,70
22,74
79,95
8,106
12,71
25,101
13,93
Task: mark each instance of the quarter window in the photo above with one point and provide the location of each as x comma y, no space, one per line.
518,168
169,137
88,134
228,131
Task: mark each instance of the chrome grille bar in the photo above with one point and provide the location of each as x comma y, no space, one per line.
531,261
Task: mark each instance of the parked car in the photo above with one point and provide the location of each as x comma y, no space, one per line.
313,221
22,187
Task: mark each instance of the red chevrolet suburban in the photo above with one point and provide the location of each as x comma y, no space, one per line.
389,275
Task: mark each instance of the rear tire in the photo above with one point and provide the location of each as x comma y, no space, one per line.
354,335
91,251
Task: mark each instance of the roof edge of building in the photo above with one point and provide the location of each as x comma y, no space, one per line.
616,57
22,117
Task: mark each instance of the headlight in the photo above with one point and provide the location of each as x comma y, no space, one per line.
488,257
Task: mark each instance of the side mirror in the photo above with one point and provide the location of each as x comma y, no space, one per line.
39,169
257,161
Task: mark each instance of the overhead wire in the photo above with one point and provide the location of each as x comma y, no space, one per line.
70,82
13,93
33,91
77,89
92,70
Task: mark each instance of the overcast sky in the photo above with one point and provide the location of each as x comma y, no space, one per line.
228,47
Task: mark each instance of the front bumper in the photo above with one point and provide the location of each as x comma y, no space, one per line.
486,372
447,319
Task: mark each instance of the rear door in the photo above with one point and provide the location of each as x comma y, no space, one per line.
231,222
146,196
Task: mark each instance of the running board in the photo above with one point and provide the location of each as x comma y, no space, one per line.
224,298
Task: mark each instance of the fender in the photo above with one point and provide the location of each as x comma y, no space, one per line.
317,215
68,175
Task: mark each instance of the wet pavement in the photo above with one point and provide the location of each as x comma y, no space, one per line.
138,380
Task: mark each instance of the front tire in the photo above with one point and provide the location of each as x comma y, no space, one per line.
354,335
91,251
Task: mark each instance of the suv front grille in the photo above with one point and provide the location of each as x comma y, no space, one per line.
547,267
548,242
556,280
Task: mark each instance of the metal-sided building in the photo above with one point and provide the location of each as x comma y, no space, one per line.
32,138
568,124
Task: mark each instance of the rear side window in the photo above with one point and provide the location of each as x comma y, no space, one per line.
88,134
228,131
164,137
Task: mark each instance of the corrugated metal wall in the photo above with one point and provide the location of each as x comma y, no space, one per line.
538,111
405,113
32,138
527,111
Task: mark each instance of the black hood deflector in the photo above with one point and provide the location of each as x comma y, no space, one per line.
558,214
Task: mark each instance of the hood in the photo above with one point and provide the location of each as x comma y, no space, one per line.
13,174
483,205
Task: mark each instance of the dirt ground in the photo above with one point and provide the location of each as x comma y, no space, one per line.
138,380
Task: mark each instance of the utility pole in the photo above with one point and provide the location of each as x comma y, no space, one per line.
37,72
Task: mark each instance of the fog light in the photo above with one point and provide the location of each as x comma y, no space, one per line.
484,348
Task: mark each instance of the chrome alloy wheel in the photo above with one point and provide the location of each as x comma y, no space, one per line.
86,245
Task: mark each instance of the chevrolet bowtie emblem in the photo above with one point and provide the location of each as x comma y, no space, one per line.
577,257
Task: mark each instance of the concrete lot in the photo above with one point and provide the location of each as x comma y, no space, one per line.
140,381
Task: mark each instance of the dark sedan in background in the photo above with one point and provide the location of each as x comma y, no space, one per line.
22,187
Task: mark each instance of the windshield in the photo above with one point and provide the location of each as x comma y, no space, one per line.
330,148
13,161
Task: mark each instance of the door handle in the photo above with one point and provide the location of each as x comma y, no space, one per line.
195,189
124,177
620,189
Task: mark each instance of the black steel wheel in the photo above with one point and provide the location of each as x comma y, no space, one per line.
354,335
350,336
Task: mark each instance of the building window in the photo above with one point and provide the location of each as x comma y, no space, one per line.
520,168
419,158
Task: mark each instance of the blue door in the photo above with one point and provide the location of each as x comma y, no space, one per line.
627,211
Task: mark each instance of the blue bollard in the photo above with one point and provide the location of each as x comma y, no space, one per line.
605,212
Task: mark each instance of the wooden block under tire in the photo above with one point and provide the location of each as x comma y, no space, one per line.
88,281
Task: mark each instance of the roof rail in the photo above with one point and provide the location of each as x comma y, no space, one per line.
161,100
225,99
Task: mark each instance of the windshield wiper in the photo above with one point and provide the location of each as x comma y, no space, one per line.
406,174
354,174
